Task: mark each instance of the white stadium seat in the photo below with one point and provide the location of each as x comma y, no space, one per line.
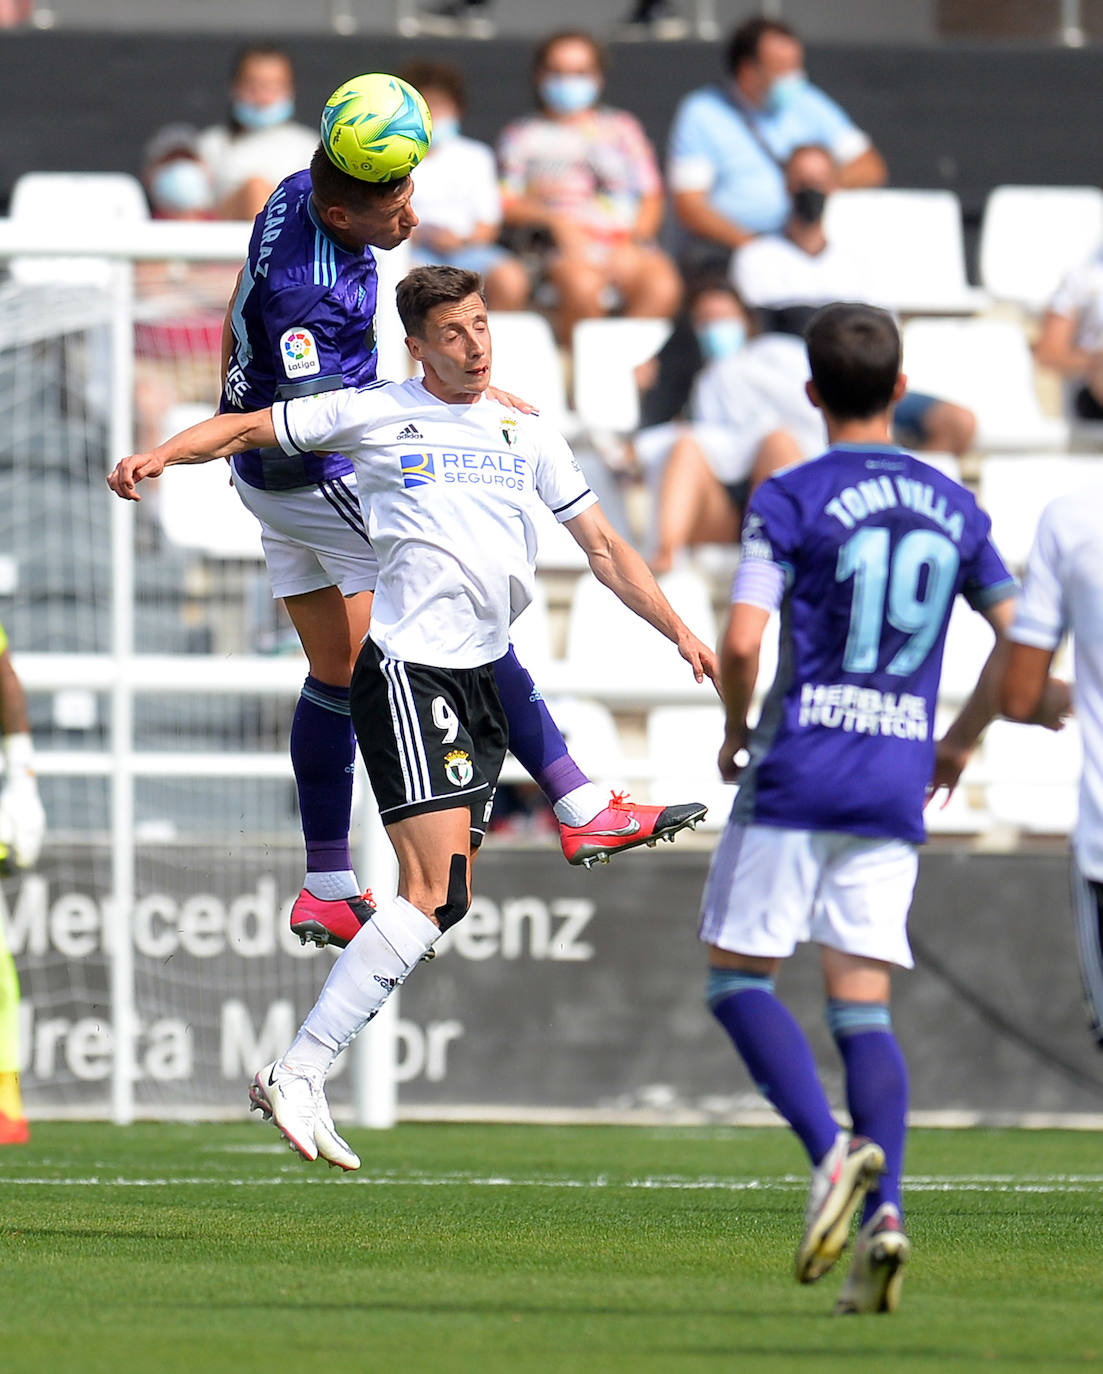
912,245
606,353
984,364
90,197
1014,488
527,363
605,637
1033,776
530,633
394,362
1030,236
197,506
682,745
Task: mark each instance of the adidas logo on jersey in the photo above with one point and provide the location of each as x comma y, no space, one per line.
410,432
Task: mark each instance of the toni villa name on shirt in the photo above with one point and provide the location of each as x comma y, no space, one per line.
876,494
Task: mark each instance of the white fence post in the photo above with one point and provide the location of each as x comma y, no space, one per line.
123,859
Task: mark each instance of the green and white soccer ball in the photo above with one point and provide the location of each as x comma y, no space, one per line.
376,127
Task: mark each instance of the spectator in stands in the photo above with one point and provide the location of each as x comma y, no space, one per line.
583,178
1071,338
178,338
456,189
176,179
728,143
259,144
787,276
701,474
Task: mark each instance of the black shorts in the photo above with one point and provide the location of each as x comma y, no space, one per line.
433,739
1086,406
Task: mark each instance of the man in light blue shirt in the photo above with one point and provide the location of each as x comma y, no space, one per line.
729,142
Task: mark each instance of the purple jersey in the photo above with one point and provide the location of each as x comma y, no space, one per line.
303,322
874,546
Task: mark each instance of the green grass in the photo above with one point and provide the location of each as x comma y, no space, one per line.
498,1248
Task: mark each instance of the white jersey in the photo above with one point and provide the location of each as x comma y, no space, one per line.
448,493
772,271
1063,593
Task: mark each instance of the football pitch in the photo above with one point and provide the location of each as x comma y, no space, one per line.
205,1249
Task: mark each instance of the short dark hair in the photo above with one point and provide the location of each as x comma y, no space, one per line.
854,354
744,42
251,50
437,76
540,56
425,288
332,186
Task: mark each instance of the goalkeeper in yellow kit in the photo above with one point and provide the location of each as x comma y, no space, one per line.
22,827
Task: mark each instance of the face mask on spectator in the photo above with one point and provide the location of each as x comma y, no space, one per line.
445,128
808,203
262,116
568,93
784,91
721,338
181,186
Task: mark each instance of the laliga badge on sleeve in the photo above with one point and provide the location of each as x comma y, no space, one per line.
299,353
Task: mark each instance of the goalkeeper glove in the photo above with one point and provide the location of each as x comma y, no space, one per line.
22,819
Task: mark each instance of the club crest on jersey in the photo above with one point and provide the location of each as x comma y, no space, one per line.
457,768
418,469
299,353
509,431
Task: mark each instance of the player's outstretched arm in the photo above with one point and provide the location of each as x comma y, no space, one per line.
219,437
739,651
616,563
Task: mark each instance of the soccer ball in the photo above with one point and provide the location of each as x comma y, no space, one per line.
376,127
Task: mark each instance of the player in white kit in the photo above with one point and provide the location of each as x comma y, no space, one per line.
448,482
1063,595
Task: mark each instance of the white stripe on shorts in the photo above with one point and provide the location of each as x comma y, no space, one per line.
411,747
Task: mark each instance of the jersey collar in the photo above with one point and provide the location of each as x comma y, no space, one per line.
323,229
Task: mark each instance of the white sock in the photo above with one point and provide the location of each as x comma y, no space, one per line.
368,970
580,806
332,887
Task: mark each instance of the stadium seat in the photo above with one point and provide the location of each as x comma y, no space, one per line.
530,633
1030,236
969,641
1014,488
592,736
1033,776
527,363
912,244
98,195
606,352
395,363
197,507
605,637
682,744
984,364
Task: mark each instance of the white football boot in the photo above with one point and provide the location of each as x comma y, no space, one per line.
839,1183
876,1271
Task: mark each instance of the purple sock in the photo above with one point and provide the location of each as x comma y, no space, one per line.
323,751
876,1087
776,1052
534,738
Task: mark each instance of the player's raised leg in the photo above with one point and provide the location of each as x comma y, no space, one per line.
592,827
330,908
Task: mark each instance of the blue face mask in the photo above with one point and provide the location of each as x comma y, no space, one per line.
262,116
181,186
445,129
784,91
570,92
721,338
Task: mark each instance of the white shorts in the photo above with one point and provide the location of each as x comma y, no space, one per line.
729,452
313,537
770,889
